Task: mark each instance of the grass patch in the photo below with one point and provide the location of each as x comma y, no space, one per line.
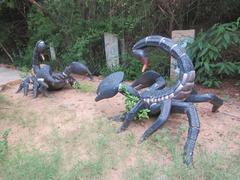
4,101
31,165
86,170
98,140
206,166
17,112
23,117
84,87
142,171
24,72
4,145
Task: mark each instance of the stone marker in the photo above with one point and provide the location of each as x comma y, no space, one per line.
111,50
52,52
180,37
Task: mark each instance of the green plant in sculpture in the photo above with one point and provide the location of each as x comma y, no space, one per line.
130,102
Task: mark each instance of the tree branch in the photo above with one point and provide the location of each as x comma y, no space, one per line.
5,50
44,11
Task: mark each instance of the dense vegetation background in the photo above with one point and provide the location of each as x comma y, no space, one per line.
75,28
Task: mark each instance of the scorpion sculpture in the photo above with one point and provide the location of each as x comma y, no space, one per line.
159,99
43,79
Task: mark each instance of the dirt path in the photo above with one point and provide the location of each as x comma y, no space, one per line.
8,76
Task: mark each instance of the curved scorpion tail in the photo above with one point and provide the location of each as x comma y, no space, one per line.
78,68
37,52
184,86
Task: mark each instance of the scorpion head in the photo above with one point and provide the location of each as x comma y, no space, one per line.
109,86
142,56
40,47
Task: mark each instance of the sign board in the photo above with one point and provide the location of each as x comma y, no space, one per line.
181,37
111,50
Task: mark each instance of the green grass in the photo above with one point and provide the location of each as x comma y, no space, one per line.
30,165
206,166
24,72
19,115
84,87
104,152
4,144
142,171
86,170
4,102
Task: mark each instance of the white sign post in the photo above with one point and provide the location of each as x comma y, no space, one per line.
179,36
111,50
52,52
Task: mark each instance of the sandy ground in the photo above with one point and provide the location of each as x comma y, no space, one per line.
214,126
66,111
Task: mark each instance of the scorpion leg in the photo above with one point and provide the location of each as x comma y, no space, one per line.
165,111
24,85
35,87
119,118
193,130
43,88
20,87
211,98
131,114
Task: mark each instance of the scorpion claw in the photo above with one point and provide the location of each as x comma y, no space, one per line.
109,86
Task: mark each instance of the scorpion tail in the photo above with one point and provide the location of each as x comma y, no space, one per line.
184,86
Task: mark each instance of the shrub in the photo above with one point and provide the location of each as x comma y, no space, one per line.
215,53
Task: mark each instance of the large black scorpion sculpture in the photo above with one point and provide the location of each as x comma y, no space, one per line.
43,79
159,99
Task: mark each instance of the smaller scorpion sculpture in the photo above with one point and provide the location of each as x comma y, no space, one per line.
159,99
43,79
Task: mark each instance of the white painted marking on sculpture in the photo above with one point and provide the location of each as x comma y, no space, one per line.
181,37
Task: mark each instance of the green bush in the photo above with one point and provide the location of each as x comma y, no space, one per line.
215,53
75,32
131,68
131,101
159,61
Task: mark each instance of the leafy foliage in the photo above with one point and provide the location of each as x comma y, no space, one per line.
213,53
132,67
76,32
130,102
